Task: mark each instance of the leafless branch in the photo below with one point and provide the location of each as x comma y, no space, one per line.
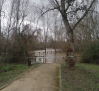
48,10
57,2
4,13
78,9
84,14
67,8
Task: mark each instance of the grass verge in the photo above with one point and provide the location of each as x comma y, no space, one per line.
85,77
10,71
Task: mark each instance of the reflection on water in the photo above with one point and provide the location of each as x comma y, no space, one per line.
50,57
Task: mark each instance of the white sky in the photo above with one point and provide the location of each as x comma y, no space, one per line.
36,1
6,9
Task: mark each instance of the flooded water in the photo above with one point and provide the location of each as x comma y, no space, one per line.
50,56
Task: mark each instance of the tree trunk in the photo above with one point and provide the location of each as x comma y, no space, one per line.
0,23
45,49
0,30
29,61
27,54
70,38
69,32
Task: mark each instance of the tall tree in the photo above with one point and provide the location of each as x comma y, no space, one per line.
1,5
69,10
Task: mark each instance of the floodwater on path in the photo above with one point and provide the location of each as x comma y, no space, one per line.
50,56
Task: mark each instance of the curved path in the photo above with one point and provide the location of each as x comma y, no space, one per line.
41,78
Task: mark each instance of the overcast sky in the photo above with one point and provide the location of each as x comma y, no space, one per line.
36,1
6,9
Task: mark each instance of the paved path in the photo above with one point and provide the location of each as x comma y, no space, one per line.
42,78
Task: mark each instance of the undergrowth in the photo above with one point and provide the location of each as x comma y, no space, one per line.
90,53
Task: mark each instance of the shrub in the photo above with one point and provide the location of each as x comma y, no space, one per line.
14,55
90,53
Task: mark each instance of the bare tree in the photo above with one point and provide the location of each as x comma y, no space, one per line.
1,12
87,31
1,5
18,10
69,10
67,7
27,38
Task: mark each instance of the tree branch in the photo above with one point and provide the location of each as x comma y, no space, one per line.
75,11
46,12
57,2
67,8
58,6
4,13
50,9
83,15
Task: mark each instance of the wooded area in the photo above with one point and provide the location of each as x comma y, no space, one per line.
60,24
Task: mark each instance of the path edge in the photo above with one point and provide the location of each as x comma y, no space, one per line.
16,78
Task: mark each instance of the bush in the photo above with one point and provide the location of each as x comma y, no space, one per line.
14,55
90,53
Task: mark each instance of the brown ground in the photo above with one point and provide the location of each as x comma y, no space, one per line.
41,78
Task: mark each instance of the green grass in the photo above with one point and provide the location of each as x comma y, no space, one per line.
88,66
85,77
10,71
